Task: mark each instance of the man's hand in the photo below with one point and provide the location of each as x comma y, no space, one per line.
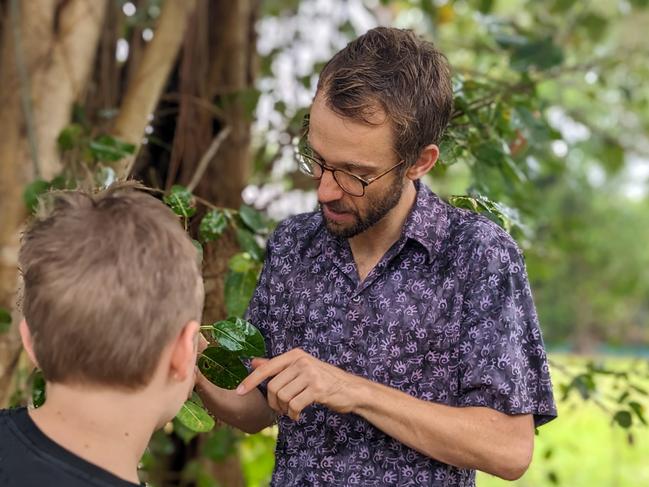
300,380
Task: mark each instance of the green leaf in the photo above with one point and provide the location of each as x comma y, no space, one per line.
180,201
252,218
499,213
612,156
61,182
623,418
239,287
32,193
5,320
183,432
561,6
222,367
490,152
199,251
38,389
594,24
485,6
536,130
70,137
248,99
638,409
108,149
195,418
238,335
542,54
449,151
212,225
220,445
508,41
242,262
247,243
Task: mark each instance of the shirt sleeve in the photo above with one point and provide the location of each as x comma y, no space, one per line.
502,359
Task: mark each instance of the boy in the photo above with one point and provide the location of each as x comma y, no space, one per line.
112,304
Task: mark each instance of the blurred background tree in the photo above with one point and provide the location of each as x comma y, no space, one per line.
550,138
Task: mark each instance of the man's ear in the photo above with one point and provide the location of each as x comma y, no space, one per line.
183,351
28,343
427,159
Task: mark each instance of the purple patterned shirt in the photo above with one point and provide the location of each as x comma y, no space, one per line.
446,316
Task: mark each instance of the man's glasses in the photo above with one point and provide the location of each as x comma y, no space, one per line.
309,165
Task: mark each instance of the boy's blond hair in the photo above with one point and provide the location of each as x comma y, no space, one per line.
109,279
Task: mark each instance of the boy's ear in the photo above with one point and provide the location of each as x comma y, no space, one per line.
427,159
183,352
28,344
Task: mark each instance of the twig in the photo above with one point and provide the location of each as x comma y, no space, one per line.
202,201
207,157
25,92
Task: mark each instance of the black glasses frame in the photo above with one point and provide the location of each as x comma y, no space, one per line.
303,146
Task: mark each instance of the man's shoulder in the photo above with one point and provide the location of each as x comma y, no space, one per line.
477,233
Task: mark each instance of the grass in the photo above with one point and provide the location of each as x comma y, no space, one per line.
580,448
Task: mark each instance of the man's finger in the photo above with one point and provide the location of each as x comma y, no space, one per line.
268,369
276,384
299,402
257,362
291,390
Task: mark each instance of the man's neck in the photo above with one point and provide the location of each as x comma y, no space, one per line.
369,247
108,428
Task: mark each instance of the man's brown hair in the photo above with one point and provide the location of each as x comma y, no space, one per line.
394,71
109,279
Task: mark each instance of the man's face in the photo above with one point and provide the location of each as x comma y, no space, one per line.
361,149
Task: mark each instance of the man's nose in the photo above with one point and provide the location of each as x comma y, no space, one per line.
328,188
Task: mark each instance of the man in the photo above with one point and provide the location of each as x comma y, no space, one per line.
404,341
112,303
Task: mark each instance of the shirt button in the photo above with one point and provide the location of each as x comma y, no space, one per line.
356,299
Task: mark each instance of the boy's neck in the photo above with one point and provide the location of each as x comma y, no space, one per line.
106,427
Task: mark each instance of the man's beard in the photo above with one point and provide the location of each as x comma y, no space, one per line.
375,212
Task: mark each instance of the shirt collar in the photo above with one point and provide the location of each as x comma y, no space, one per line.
427,224
428,221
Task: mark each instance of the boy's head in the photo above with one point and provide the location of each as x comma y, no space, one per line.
112,292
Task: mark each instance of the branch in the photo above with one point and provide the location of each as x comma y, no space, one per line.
207,157
143,93
25,92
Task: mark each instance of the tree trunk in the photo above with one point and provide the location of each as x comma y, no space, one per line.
46,55
231,79
144,90
217,69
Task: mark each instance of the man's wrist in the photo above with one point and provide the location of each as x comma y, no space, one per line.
360,392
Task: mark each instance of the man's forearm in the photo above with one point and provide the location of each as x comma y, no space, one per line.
468,437
248,413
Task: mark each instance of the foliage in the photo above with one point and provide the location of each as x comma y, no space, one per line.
234,338
583,447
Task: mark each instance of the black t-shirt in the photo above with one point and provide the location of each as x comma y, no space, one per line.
28,458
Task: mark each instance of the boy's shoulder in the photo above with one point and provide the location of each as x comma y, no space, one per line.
29,458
